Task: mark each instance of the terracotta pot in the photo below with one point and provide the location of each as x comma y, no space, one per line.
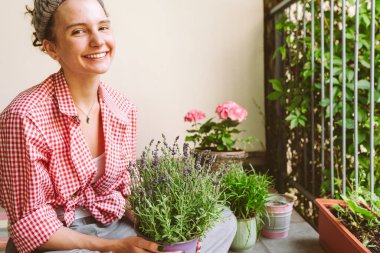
224,156
334,237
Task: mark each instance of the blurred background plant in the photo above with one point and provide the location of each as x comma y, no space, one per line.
301,84
217,135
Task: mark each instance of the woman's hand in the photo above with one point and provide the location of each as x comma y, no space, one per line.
137,244
198,247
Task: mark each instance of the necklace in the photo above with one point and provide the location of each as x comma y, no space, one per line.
87,115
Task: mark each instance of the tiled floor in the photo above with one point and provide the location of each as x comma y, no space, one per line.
302,239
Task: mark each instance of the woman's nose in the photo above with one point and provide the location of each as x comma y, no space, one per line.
96,39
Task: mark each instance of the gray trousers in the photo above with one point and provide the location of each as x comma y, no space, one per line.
217,240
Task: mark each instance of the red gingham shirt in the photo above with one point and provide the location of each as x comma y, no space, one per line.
45,162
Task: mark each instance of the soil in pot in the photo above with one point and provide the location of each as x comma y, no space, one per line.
361,231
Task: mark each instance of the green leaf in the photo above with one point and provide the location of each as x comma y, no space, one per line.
325,102
365,63
363,84
279,25
276,85
293,123
350,75
274,95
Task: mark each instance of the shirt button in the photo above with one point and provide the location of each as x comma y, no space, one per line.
76,119
73,198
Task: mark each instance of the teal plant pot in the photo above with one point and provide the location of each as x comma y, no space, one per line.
246,235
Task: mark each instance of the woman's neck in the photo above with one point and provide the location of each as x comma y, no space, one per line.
84,90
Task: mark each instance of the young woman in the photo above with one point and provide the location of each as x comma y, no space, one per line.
66,144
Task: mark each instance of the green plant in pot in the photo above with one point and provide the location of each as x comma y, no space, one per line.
175,196
246,194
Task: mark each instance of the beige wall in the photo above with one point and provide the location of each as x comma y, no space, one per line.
172,56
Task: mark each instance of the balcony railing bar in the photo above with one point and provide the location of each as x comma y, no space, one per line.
304,24
281,6
372,103
332,97
312,97
356,134
344,169
322,91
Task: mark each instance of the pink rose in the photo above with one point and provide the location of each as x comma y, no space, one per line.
231,110
194,116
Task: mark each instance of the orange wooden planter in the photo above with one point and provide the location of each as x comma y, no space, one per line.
334,237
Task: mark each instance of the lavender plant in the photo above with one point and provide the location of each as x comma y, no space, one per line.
175,195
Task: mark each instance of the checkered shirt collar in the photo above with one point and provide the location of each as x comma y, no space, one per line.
66,103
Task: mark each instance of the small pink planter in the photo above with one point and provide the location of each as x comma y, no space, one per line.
279,207
187,247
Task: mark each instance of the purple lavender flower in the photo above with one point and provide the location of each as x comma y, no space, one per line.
174,151
155,158
164,141
198,161
186,150
186,172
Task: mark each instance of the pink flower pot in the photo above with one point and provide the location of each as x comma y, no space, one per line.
276,225
187,247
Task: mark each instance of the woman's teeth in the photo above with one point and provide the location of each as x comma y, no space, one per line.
96,56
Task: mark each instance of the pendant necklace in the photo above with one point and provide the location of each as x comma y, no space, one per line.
87,115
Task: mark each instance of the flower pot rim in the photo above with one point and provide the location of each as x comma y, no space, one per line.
161,242
219,151
323,205
289,199
246,220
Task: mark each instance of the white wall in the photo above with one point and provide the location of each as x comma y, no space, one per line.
172,56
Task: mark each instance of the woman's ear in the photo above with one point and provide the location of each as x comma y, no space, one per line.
50,48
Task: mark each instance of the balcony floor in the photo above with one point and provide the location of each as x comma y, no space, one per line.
302,239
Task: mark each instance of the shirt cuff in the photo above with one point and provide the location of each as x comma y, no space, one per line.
35,229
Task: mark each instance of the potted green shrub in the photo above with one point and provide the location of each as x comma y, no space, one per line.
246,195
350,225
175,196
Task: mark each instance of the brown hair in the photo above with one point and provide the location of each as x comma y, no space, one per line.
43,19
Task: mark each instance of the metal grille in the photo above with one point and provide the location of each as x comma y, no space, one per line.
324,97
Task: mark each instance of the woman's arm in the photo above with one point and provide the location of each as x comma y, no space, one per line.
68,239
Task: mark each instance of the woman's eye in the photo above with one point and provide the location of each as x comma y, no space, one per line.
103,28
78,32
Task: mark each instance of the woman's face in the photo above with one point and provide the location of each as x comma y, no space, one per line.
84,42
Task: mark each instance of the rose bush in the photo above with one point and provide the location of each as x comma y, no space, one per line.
217,135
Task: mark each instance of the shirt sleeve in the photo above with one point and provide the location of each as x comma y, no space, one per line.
25,185
130,140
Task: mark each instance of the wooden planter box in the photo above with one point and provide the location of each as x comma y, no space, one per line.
334,237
